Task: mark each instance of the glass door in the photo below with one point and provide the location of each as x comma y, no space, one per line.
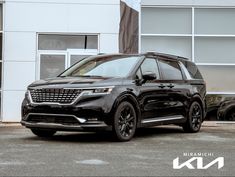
51,64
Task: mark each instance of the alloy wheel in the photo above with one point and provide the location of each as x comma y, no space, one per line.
196,116
126,121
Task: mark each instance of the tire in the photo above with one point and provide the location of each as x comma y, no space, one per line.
194,120
230,116
43,133
124,123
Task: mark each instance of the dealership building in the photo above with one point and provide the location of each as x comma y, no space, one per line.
41,38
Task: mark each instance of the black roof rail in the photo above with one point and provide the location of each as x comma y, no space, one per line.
165,55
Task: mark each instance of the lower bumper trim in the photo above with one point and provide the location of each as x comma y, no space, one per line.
61,127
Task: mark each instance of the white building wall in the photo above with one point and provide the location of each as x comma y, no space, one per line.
23,19
202,30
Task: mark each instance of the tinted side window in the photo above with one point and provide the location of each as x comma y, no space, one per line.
193,70
170,70
150,65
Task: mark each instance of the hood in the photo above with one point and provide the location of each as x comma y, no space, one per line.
76,82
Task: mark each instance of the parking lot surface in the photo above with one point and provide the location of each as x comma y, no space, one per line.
150,153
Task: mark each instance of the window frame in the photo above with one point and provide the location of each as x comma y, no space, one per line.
38,70
139,68
192,35
67,52
2,4
161,70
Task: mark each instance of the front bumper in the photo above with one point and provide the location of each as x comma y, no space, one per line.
87,114
62,122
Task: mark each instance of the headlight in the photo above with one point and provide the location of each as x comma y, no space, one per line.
27,94
103,90
98,91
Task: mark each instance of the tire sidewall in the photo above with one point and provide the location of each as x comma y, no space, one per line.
190,126
116,119
228,116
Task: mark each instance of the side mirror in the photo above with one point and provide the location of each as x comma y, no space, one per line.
148,76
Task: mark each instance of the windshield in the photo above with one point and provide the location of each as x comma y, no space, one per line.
103,66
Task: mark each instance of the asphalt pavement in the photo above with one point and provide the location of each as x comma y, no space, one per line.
150,153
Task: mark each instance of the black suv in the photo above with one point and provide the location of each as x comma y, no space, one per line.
117,92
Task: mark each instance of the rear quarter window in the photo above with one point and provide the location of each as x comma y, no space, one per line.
193,70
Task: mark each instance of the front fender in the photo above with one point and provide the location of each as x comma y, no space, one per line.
130,97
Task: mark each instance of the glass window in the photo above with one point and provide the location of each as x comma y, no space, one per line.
64,42
181,46
0,46
51,65
192,69
92,42
0,102
1,28
60,42
1,17
214,21
108,66
166,20
0,75
219,78
170,70
150,65
76,58
214,50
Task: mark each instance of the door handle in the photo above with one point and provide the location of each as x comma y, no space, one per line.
161,86
170,85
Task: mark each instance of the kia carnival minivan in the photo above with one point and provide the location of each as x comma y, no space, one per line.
119,93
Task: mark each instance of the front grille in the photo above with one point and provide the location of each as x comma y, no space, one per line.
65,120
62,96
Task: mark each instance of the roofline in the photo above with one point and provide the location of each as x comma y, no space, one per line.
169,56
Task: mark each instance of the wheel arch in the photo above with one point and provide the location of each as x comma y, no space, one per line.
131,98
198,99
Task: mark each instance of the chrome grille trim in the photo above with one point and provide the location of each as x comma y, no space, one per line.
54,96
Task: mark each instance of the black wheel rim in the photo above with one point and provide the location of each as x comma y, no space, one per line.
126,121
196,117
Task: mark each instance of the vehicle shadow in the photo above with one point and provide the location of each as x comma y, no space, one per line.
107,136
158,131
